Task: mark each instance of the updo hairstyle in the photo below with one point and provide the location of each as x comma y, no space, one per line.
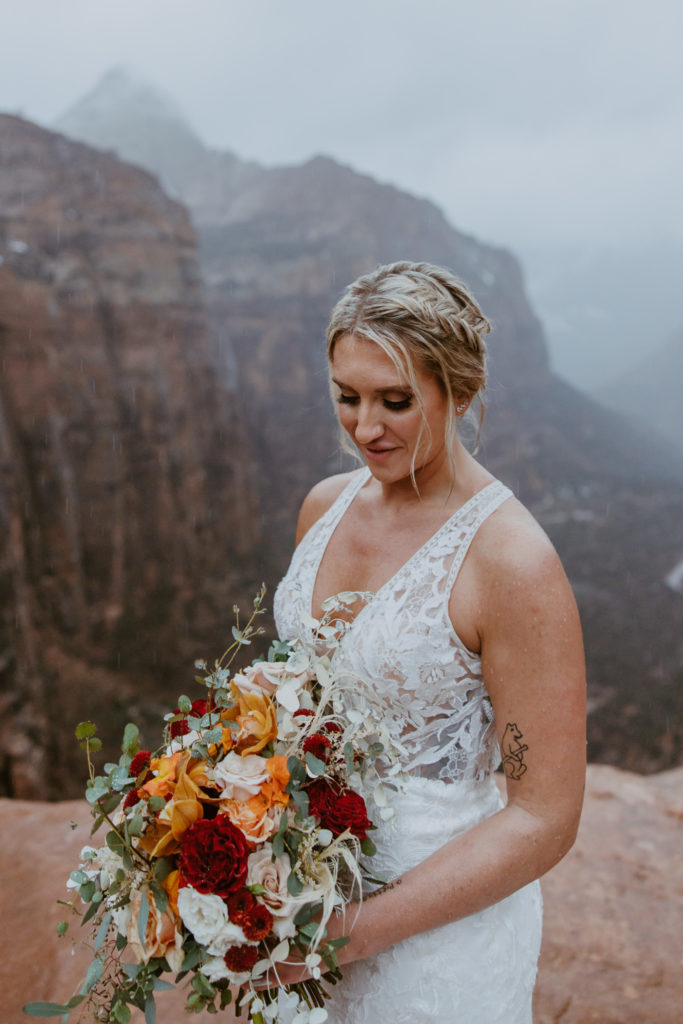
424,318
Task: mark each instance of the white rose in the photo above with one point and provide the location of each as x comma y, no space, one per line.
215,969
206,916
273,875
240,777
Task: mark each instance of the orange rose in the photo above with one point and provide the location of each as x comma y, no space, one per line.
251,817
273,791
165,775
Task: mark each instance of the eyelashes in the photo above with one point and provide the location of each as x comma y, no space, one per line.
397,406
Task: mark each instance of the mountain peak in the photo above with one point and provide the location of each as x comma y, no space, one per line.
123,93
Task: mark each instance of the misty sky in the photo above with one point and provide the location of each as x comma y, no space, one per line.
532,124
555,129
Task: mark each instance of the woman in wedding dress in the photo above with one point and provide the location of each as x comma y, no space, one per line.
465,644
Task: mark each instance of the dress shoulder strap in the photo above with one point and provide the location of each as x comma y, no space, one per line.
484,503
322,530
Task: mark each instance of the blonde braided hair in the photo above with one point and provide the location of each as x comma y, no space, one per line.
424,318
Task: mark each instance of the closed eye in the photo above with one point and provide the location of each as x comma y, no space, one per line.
394,405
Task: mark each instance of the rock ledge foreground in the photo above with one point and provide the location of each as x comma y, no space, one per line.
613,908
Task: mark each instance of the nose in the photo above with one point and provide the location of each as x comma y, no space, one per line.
369,426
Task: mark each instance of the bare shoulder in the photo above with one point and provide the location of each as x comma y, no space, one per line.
516,568
319,499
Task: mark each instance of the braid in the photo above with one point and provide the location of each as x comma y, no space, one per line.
422,316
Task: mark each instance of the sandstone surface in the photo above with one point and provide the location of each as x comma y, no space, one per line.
613,908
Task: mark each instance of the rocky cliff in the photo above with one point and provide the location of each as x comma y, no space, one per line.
612,908
277,247
127,516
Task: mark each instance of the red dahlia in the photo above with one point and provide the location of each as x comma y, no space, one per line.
304,713
132,797
213,858
318,745
258,923
338,809
139,762
241,958
239,905
181,728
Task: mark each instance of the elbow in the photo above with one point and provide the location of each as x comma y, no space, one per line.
561,839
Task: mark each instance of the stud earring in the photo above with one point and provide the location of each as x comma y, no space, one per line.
461,407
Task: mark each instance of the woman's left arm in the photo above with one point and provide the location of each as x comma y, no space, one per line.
533,668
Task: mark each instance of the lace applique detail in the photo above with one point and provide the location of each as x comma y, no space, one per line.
404,661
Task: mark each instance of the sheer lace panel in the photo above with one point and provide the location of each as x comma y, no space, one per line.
401,657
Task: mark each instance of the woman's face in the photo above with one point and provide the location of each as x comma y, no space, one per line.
380,413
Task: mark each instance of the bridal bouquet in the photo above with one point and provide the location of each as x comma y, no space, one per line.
229,847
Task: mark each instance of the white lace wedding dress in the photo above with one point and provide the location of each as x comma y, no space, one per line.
426,688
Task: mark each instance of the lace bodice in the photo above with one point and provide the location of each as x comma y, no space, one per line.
403,660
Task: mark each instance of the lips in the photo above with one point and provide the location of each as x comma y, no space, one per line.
378,453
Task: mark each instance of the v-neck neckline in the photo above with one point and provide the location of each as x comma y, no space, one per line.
346,505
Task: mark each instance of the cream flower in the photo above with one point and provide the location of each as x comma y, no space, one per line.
272,874
206,916
240,777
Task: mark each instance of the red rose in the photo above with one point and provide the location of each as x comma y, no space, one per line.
213,858
318,745
338,809
241,958
181,728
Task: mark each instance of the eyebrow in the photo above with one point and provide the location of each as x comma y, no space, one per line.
380,391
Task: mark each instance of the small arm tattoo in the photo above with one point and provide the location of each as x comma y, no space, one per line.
384,888
513,751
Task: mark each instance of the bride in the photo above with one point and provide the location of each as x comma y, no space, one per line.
468,635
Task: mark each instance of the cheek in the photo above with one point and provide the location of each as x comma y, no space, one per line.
346,416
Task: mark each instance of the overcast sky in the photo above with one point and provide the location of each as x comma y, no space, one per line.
529,122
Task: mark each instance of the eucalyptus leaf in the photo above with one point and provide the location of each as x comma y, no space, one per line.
93,975
83,731
143,916
314,764
294,884
129,744
45,1009
102,930
150,1009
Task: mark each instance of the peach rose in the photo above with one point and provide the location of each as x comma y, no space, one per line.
162,936
252,817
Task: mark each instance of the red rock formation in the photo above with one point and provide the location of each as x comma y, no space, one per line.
127,522
613,908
